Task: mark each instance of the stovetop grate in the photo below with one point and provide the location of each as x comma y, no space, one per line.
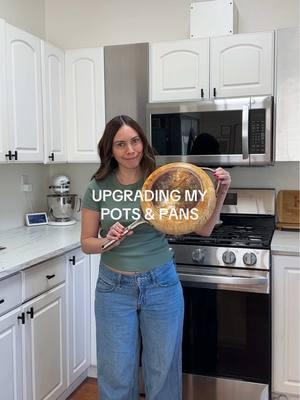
231,235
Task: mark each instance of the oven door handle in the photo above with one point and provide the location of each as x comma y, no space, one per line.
245,132
221,279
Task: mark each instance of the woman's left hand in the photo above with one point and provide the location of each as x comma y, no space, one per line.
223,177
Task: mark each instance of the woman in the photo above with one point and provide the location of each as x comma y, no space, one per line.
138,294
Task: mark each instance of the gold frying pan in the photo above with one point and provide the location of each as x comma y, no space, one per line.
177,198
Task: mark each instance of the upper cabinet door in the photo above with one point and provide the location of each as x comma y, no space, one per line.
242,65
179,70
85,103
3,113
53,74
288,95
24,88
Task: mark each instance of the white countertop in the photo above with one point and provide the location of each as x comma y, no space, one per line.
27,246
286,243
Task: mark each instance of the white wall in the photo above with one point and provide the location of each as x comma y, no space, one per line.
88,23
13,202
25,14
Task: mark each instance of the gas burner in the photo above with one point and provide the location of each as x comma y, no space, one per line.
249,236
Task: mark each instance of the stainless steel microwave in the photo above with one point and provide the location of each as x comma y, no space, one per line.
217,132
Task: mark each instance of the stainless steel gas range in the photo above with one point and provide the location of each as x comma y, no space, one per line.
226,285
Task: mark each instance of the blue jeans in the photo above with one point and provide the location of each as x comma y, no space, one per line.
145,307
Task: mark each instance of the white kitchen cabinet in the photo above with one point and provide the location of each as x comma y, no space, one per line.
95,261
45,363
85,103
78,313
242,65
179,70
33,358
11,356
24,95
286,325
53,79
3,112
11,378
287,95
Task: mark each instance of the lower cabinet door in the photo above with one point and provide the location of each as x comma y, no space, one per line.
45,344
11,356
95,261
78,313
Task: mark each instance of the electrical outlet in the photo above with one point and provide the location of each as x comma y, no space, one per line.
24,180
25,185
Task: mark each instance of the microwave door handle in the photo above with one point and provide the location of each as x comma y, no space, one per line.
245,135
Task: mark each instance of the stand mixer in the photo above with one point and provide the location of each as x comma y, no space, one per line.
62,204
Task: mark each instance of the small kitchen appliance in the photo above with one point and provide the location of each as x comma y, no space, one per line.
226,286
233,131
62,204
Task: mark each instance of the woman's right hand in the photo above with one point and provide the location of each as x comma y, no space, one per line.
116,232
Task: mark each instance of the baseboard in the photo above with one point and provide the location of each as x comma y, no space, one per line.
73,386
284,396
92,372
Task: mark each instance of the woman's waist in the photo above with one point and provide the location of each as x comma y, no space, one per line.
132,277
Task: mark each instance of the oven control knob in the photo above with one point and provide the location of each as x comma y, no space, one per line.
249,258
198,255
228,257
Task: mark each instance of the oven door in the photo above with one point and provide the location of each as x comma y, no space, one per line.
227,334
214,132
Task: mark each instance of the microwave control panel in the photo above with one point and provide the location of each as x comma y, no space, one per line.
257,131
257,137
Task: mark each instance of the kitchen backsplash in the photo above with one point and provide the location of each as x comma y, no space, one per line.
14,203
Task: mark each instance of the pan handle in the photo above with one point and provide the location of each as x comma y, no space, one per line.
129,227
217,184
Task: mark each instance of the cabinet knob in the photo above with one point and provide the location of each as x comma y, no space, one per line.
30,312
1,301
8,155
22,318
72,260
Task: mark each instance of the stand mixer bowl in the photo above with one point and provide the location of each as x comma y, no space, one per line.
61,207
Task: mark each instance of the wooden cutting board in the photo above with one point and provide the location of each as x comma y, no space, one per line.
288,209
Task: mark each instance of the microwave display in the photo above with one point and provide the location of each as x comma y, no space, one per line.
207,132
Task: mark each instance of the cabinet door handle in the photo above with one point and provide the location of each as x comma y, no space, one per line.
215,92
30,312
22,318
1,301
9,155
72,260
15,155
51,157
50,276
202,93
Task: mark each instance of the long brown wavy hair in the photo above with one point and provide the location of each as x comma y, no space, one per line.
107,160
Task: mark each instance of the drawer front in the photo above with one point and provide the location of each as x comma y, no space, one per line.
10,293
44,276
